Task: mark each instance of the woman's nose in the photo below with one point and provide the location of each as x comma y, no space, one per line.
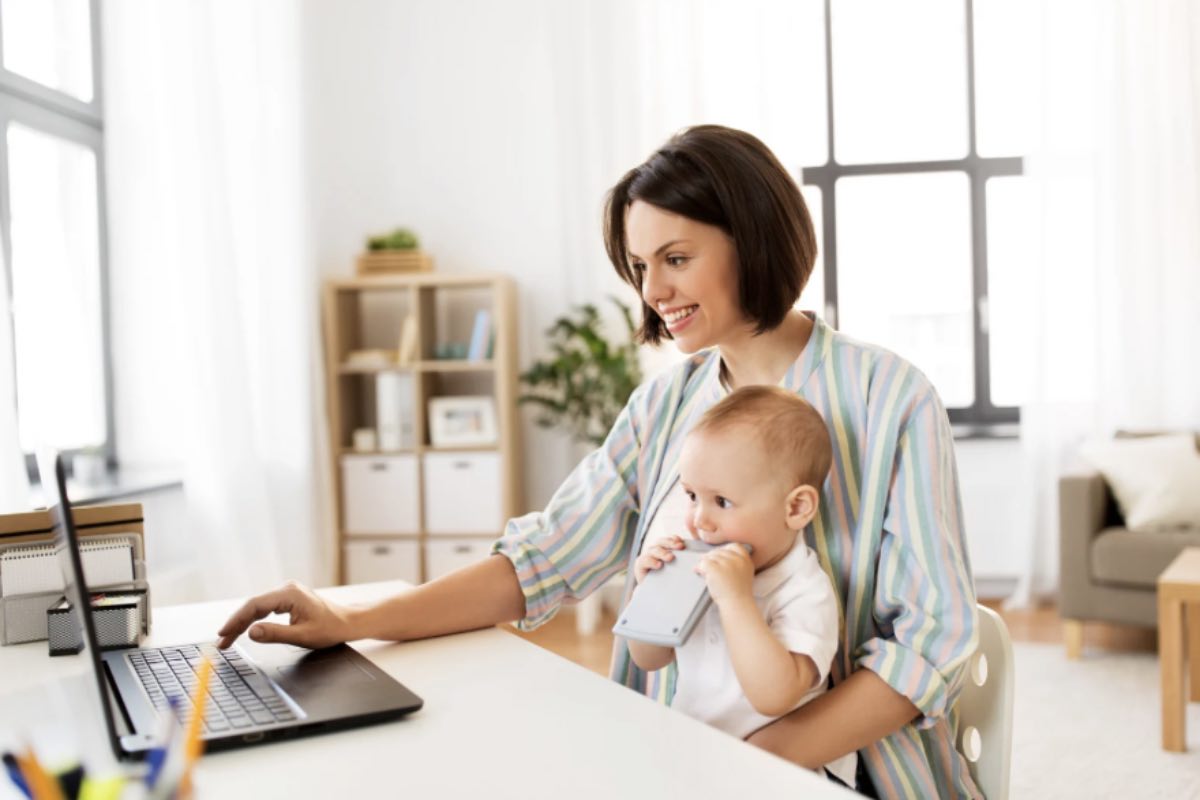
654,287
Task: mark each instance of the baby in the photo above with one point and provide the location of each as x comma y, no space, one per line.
751,470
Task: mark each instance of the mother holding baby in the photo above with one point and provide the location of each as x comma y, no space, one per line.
714,235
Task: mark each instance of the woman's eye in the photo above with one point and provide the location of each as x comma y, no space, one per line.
637,266
723,502
677,261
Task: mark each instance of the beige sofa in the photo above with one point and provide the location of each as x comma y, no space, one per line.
1107,572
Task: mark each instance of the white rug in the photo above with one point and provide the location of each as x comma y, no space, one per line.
1092,728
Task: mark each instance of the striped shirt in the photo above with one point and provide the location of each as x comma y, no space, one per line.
889,534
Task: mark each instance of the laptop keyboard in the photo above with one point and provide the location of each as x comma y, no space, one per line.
240,696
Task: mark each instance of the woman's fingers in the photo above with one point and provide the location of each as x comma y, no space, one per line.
280,601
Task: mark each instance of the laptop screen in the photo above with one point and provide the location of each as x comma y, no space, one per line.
66,544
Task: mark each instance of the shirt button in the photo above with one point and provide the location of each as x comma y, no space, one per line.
712,638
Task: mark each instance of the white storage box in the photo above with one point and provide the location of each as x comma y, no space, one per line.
463,494
379,494
446,555
367,562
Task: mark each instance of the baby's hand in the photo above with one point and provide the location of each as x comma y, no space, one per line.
654,556
729,573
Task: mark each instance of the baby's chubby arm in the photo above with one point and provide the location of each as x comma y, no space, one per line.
651,657
773,679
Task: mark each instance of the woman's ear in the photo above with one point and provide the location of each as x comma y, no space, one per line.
802,506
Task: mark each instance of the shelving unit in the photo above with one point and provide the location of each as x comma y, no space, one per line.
419,511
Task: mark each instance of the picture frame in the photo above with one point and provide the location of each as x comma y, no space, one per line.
462,421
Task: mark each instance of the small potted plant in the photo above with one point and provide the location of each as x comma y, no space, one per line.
398,251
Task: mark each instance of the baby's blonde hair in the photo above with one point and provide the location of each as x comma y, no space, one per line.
786,427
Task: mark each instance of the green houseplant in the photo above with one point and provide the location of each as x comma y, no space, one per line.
587,380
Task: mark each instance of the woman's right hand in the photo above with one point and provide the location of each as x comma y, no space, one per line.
655,555
313,621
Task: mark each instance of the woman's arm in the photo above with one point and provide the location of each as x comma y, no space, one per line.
857,712
476,596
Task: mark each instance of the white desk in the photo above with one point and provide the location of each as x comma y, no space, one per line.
502,719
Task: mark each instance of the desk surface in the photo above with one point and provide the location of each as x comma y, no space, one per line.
502,718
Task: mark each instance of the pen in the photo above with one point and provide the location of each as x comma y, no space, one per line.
167,726
193,746
41,785
13,768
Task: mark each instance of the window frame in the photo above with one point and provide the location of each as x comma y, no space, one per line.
62,116
982,416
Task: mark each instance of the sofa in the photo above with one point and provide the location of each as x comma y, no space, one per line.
1106,571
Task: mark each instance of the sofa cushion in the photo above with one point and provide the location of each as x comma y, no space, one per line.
1128,558
1156,480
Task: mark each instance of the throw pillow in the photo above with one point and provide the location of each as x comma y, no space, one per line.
1155,480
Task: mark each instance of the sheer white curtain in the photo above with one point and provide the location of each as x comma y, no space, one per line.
215,289
1116,280
14,481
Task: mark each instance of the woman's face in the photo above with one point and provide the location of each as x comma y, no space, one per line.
689,275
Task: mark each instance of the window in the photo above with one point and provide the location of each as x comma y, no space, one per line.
920,205
52,225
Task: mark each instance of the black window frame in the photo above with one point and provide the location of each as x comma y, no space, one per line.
58,114
982,415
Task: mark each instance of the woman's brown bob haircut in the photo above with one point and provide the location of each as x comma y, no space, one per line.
727,178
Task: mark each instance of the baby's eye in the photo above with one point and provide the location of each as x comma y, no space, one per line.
723,502
691,496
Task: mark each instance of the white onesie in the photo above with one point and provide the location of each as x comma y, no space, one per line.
796,598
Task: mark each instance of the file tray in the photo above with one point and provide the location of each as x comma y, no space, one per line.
113,545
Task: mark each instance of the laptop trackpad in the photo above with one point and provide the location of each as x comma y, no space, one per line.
317,671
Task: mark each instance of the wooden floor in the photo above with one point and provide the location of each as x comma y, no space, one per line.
1041,624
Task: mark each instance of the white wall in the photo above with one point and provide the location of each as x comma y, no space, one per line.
440,116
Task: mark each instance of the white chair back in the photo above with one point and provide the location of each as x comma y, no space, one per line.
985,708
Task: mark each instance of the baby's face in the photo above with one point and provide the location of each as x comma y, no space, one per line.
734,495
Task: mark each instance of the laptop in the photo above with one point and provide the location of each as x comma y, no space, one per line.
287,692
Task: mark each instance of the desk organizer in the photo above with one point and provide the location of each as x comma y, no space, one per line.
112,542
119,616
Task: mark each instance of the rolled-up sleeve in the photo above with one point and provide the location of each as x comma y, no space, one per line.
924,606
582,537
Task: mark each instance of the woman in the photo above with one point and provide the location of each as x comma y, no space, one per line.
715,236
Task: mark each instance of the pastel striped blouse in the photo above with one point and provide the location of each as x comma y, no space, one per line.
889,533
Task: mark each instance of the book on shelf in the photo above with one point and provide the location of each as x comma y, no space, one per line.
481,336
394,413
407,353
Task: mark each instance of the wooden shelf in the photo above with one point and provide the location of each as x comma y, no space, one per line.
465,448
456,365
407,280
447,365
372,369
365,313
